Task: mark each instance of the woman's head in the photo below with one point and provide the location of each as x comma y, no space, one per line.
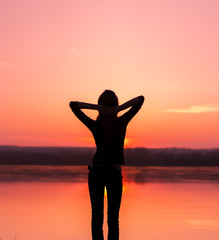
108,98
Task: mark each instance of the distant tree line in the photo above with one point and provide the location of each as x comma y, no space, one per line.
171,157
133,156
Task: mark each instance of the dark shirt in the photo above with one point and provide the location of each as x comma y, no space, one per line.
108,132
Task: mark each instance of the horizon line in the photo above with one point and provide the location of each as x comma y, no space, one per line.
174,147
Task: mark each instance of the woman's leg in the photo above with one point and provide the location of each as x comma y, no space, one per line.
96,190
114,195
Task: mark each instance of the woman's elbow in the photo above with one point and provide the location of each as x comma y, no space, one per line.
141,99
72,105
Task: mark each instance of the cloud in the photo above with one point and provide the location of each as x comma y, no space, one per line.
203,223
194,109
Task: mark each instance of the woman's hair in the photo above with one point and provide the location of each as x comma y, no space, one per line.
108,98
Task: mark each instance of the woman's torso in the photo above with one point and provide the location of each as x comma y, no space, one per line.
109,135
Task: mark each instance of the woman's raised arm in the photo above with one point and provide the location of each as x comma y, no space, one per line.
135,105
83,105
107,110
132,102
104,110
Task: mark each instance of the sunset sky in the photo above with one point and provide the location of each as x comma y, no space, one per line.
55,51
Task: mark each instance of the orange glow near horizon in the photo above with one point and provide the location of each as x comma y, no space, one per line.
53,53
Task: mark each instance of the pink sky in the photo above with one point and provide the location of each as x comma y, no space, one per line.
52,52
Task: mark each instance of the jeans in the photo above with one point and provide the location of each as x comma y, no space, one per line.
98,178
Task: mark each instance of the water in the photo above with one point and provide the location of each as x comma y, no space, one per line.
52,203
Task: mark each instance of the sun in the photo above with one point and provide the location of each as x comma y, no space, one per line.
127,142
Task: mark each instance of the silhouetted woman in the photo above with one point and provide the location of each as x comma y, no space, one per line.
109,133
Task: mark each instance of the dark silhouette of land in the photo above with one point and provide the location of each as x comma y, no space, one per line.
83,156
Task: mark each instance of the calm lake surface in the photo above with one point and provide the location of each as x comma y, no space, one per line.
52,203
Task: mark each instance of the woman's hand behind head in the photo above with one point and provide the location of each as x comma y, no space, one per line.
108,111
